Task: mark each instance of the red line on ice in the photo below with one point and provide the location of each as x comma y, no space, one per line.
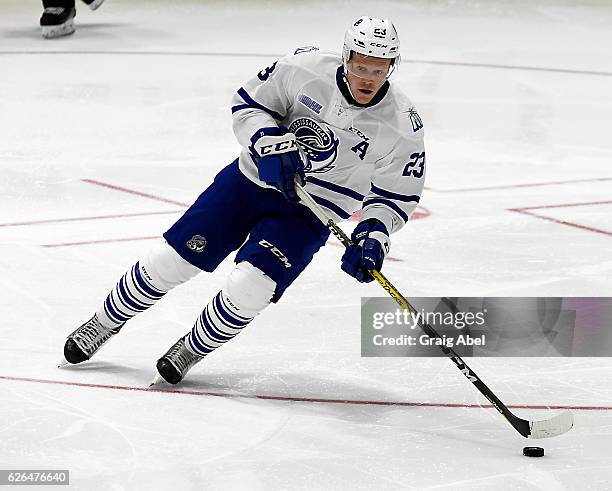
563,205
131,191
526,211
102,241
524,185
83,219
297,399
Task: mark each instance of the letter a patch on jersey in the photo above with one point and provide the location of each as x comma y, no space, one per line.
360,149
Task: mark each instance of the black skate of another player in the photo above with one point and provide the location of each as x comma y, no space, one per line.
58,17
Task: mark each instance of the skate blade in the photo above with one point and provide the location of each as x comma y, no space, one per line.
50,32
63,363
157,379
95,4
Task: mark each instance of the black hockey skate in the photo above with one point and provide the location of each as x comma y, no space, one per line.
175,364
93,4
86,340
57,21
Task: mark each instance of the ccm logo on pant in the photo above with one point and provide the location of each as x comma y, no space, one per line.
273,249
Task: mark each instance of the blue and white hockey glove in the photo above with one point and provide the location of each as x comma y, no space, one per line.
279,160
370,246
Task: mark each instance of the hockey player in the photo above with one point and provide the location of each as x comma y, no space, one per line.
58,16
355,140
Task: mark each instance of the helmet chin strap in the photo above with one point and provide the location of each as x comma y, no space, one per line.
348,85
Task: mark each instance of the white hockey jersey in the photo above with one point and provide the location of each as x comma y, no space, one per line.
370,157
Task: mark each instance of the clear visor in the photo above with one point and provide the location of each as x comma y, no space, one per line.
363,68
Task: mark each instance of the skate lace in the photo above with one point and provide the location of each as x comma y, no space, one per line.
181,357
54,10
92,335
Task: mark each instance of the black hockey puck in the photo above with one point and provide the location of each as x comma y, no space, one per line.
533,452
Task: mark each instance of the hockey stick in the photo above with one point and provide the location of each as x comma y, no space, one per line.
557,425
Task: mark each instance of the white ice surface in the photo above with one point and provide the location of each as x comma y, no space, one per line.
139,98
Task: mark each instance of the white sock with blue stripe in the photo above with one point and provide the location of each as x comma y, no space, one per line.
220,321
133,294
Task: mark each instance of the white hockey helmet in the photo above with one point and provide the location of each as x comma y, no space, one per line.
370,36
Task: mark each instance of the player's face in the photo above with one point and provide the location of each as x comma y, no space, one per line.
366,75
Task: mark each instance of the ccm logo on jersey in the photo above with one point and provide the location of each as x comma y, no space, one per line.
278,147
274,250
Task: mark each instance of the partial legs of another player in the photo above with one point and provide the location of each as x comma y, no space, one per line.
58,16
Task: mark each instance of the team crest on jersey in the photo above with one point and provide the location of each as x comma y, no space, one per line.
197,243
318,142
415,119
